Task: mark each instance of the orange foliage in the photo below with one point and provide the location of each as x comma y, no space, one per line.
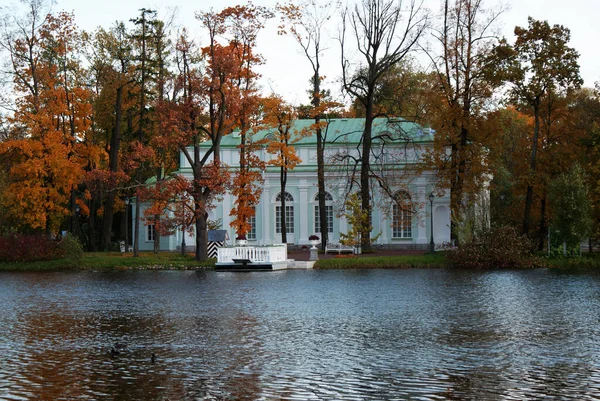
54,111
281,116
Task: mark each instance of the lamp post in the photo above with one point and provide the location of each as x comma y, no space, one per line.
75,228
431,243
126,200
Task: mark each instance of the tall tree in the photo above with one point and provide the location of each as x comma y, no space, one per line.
402,92
164,159
52,107
586,110
460,92
111,61
384,39
539,62
281,116
143,37
508,160
206,108
306,23
245,22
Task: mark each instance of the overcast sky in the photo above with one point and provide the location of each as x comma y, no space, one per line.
286,71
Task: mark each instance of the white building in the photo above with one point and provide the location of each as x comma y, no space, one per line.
397,148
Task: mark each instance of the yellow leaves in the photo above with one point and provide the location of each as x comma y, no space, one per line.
247,190
281,116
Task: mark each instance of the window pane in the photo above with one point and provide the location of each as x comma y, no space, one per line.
252,222
288,197
317,220
289,219
150,232
278,219
401,223
328,217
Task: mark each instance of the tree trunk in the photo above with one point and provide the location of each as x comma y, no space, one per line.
365,194
320,155
113,159
534,146
283,181
201,238
543,227
321,185
136,228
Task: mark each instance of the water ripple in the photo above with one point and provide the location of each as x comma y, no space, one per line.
300,335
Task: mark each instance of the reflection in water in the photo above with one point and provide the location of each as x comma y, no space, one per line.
402,334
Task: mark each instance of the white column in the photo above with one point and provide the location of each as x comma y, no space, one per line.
423,216
265,216
225,217
302,218
382,225
342,223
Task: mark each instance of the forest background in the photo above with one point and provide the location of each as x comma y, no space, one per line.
89,116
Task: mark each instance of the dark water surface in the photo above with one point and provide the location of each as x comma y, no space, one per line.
333,335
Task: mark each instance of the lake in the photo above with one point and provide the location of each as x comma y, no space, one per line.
300,335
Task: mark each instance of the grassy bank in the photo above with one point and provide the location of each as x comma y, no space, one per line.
112,261
587,260
175,261
427,260
439,259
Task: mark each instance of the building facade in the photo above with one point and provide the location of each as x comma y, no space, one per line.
401,208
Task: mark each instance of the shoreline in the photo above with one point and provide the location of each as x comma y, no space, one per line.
108,261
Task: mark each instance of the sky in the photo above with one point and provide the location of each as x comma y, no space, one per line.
287,71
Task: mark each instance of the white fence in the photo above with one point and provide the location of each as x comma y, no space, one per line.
271,253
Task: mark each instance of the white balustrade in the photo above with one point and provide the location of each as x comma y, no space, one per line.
271,253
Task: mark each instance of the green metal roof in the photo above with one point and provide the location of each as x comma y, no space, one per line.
349,130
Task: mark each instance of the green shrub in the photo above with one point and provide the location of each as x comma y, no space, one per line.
500,248
71,247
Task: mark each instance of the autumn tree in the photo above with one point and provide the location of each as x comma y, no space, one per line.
306,23
206,107
52,107
143,37
586,115
508,160
164,159
383,38
559,150
245,22
459,93
403,92
539,63
281,117
171,200
565,130
111,73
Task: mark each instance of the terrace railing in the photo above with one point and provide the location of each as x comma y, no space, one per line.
269,253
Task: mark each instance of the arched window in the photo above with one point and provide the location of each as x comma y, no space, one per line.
328,213
289,213
288,197
402,216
